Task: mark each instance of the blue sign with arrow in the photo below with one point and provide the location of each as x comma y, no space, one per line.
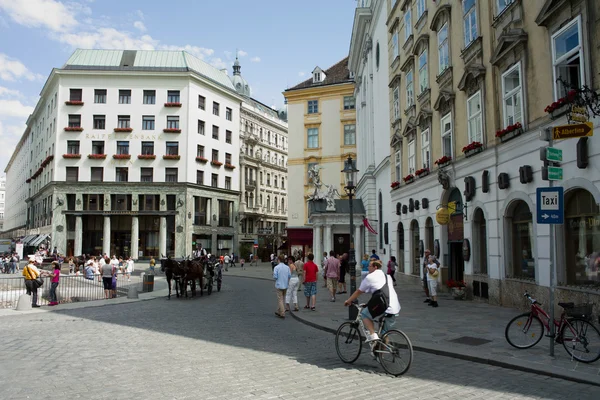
550,205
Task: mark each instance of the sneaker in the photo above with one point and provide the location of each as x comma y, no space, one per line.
372,337
35,306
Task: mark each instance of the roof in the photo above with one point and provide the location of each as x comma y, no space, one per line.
342,206
145,60
338,73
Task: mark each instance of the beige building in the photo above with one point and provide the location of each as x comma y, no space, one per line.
469,83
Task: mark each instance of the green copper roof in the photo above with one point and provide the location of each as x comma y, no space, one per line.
159,58
105,58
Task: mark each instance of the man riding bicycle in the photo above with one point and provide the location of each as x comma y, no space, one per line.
374,281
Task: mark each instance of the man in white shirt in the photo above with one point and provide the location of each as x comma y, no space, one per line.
374,281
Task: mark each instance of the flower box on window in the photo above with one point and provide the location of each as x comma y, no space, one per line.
46,161
509,132
171,157
172,130
442,162
410,178
216,163
423,172
71,155
73,129
173,104
395,185
229,166
121,156
201,159
74,103
123,129
146,156
472,148
28,180
97,156
561,106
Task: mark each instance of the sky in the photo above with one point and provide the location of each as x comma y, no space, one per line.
278,42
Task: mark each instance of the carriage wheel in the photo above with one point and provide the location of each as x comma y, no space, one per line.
210,285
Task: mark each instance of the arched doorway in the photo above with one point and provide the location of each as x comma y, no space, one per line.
455,262
415,257
522,262
479,243
429,234
400,248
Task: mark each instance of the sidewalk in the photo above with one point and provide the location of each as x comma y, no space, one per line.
462,329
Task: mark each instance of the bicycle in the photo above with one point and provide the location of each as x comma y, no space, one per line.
574,329
392,348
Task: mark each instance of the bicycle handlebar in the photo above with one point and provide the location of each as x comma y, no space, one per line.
531,299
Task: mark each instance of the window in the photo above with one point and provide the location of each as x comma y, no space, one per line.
201,127
423,72
146,174
227,158
407,24
475,118
567,55
228,137
480,255
173,122
398,161
214,182
148,148
149,96
512,96
173,96
124,96
99,122
470,18
411,157
148,122
395,50
215,108
124,121
313,138
201,205
447,135
228,182
201,102
396,96
172,148
122,147
200,151
228,113
282,183
410,100
74,95
349,104
268,179
121,174
97,174
443,51
522,261
313,106
215,155
97,147
72,146
170,174
425,149
74,120
72,174
215,132
502,4
100,96
349,135
421,8
225,207
199,177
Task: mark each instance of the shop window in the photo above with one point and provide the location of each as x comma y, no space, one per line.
479,247
400,246
522,262
414,247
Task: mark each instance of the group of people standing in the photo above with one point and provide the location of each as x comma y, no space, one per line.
289,274
33,281
9,263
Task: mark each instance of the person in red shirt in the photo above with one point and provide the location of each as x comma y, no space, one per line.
310,282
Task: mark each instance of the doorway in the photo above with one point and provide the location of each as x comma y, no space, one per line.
341,243
456,267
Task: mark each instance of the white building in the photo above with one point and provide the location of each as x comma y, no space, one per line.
129,152
2,201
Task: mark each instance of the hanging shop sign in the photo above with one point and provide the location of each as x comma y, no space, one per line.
442,216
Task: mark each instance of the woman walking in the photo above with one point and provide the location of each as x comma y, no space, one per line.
332,273
310,282
291,295
54,283
392,266
343,270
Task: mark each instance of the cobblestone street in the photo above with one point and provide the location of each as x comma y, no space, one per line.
225,346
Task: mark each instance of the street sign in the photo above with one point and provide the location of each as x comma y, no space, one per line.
555,173
550,205
553,154
256,246
572,131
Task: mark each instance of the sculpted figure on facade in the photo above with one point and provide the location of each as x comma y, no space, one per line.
313,176
330,195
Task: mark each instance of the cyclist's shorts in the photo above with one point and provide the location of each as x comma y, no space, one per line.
388,323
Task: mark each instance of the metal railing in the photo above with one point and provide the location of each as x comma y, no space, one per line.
71,289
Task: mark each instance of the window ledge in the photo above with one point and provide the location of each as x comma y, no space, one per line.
312,149
308,115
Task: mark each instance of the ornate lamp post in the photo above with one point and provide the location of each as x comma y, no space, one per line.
350,173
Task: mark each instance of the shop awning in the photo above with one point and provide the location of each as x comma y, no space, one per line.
28,239
36,242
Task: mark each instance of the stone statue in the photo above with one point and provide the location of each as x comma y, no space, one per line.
444,179
313,176
330,197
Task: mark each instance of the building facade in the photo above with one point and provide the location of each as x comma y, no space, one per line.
469,85
2,201
322,134
130,153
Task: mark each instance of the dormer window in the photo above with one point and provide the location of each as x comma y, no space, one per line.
318,75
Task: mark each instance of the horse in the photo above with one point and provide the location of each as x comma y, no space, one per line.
173,269
194,270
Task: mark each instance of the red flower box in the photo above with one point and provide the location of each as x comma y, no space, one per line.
409,178
508,129
123,130
472,146
121,156
229,166
28,180
422,171
172,104
216,163
74,103
395,185
71,155
443,160
171,157
97,156
561,102
146,156
73,129
172,130
201,159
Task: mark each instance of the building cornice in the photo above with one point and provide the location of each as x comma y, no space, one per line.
318,91
362,17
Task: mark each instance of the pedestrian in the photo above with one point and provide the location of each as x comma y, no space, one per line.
89,271
374,255
323,262
106,273
391,268
242,263
281,274
226,261
152,264
427,253
432,275
365,267
54,283
129,268
71,265
31,273
310,282
292,292
273,261
300,268
113,282
343,271
332,273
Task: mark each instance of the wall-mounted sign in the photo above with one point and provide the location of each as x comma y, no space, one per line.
442,216
436,248
466,250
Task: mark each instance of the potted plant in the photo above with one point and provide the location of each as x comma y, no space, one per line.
395,185
146,156
121,156
74,103
410,178
216,163
71,155
171,157
423,172
458,288
172,130
201,159
472,148
509,132
97,156
560,106
28,180
73,129
173,104
442,162
229,166
123,130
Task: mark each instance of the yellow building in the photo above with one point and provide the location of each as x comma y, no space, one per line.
322,134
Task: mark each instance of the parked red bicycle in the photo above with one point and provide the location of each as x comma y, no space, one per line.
579,337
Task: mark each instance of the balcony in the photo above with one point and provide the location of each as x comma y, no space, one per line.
250,185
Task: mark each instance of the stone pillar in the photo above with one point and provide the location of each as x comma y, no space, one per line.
327,239
162,237
135,235
358,244
106,237
78,236
317,242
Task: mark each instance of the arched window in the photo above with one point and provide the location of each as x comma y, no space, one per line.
400,246
522,262
282,183
275,140
415,256
479,243
429,234
282,205
275,203
268,203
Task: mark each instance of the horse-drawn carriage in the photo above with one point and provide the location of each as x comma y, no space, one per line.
189,272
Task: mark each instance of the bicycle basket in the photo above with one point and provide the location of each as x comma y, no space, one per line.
581,311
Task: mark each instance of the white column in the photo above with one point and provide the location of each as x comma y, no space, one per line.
78,235
106,237
327,240
317,242
358,243
135,235
162,237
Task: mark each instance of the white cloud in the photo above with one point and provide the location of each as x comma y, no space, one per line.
200,52
50,14
255,59
9,92
217,63
228,54
107,38
242,53
139,25
140,14
14,108
12,70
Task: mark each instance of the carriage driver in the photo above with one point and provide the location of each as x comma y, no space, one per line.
200,252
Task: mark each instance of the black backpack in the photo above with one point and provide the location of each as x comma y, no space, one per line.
379,300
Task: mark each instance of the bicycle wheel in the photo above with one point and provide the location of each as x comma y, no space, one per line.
524,331
395,352
581,340
348,342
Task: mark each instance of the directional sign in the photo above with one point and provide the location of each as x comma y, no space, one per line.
553,154
550,205
555,173
572,131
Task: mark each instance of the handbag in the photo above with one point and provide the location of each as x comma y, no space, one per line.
378,302
436,273
39,282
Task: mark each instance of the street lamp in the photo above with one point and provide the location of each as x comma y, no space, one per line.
350,173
